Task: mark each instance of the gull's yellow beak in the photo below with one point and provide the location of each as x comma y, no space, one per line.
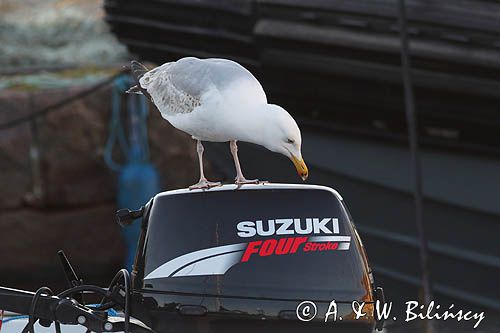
301,167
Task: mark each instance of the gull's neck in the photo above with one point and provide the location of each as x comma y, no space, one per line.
255,125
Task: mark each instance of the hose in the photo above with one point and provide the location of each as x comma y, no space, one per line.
83,287
123,273
30,327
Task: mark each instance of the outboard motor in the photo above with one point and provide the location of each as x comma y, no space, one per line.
242,259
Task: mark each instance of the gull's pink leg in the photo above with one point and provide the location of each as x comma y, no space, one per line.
203,183
240,179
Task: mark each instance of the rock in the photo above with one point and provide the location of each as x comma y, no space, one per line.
14,150
71,141
72,138
75,208
30,240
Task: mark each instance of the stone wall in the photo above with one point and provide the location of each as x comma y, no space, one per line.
70,205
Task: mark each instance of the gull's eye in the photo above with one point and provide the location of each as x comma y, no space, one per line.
290,140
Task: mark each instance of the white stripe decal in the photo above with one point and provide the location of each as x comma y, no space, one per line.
344,246
330,239
217,265
168,268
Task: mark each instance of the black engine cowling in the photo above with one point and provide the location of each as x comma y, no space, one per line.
242,259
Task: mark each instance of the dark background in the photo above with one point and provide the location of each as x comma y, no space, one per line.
335,65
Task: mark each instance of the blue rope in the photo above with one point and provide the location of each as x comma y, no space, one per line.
111,312
136,104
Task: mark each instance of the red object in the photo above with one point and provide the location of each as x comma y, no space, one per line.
1,319
272,246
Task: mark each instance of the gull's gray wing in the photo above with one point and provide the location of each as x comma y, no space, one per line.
178,87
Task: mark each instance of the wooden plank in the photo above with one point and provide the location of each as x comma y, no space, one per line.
310,64
466,14
370,42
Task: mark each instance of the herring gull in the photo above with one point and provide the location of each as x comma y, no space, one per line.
218,100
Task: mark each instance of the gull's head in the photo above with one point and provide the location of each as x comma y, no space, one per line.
282,135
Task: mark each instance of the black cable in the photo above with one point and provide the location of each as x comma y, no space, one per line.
412,120
50,108
84,287
106,293
123,273
30,327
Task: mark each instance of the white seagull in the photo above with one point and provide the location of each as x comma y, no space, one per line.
219,100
